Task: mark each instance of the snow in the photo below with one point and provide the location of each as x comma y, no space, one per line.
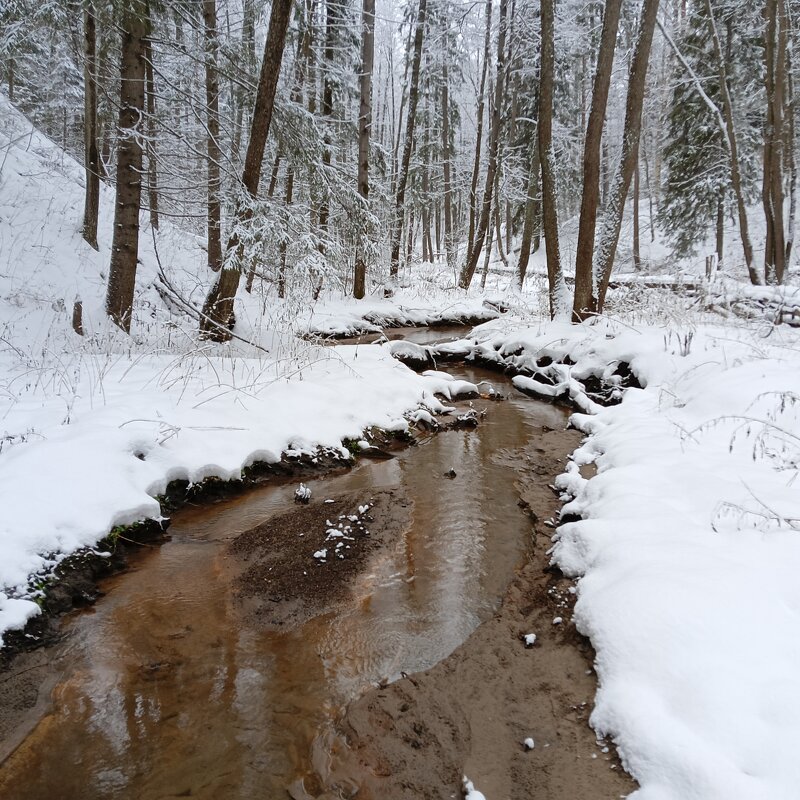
686,545
470,792
94,428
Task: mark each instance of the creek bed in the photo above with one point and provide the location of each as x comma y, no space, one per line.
168,689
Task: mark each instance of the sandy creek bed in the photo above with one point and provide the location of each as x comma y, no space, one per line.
229,662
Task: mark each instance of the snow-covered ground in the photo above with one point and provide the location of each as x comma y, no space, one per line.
95,427
686,543
687,548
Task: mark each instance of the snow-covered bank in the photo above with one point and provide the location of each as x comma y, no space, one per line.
687,545
95,426
66,485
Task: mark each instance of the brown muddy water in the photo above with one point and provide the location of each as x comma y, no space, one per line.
167,691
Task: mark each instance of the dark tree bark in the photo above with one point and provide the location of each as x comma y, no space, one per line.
637,255
592,152
630,149
790,154
547,158
152,167
288,198
449,244
333,12
494,145
720,231
91,153
364,131
476,164
402,179
529,224
218,308
772,184
213,150
125,243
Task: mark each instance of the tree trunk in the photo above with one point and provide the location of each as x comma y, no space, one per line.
630,149
476,165
729,128
637,256
125,243
530,215
213,150
494,145
790,155
284,239
413,98
218,307
772,185
301,68
11,76
427,246
555,278
498,231
364,131
333,12
720,231
487,255
91,153
592,152
152,167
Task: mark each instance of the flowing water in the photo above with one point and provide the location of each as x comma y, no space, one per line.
167,692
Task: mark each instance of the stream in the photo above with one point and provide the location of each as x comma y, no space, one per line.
166,691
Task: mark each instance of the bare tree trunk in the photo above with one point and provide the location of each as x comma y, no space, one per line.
646,163
530,215
592,152
426,215
476,164
125,243
213,150
446,177
637,256
218,308
630,149
333,14
402,180
555,278
410,239
498,231
720,231
284,242
91,153
152,167
790,154
249,49
364,131
302,65
494,145
729,128
487,255
11,76
772,185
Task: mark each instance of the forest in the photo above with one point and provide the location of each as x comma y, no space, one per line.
399,398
